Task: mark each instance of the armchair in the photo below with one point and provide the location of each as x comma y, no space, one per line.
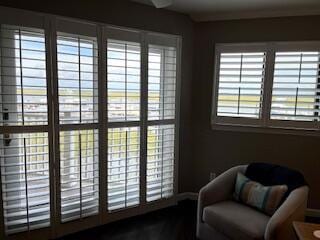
221,218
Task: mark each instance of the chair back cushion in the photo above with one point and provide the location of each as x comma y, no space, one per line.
264,198
271,174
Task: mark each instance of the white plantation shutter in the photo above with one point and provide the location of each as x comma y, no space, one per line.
124,107
77,72
25,181
24,157
161,82
161,134
23,77
79,173
72,94
295,92
77,58
123,167
160,162
123,81
240,84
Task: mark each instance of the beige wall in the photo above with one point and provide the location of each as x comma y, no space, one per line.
129,14
216,151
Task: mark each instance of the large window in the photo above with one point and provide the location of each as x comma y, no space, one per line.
88,124
267,85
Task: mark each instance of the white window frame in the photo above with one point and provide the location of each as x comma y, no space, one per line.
265,124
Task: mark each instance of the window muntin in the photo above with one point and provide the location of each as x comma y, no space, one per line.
23,92
295,92
123,167
161,82
77,59
79,174
124,74
240,84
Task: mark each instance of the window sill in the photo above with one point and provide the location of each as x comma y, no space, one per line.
263,129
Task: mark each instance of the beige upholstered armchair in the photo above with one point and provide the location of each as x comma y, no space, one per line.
221,218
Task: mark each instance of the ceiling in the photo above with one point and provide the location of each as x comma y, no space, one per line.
207,10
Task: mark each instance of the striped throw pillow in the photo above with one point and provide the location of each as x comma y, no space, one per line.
264,198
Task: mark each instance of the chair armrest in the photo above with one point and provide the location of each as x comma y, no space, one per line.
219,189
293,209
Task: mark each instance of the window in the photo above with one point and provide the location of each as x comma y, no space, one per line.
241,77
295,86
267,85
124,90
88,124
24,155
78,104
162,73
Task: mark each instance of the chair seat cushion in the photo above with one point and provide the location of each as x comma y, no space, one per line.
235,220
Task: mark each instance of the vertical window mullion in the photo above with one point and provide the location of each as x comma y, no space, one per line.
267,85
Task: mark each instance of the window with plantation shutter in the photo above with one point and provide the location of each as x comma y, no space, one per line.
24,155
160,162
295,91
123,167
123,81
162,76
274,86
88,123
79,172
124,105
77,67
161,82
240,84
77,79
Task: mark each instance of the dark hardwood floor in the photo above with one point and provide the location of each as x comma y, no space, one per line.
173,223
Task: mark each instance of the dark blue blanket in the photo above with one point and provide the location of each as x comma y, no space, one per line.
270,174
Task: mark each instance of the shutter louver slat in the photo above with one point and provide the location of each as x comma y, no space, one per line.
240,89
79,174
123,167
160,162
295,94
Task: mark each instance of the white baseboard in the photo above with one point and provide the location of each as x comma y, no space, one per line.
194,196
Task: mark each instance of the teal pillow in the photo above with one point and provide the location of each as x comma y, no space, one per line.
264,198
